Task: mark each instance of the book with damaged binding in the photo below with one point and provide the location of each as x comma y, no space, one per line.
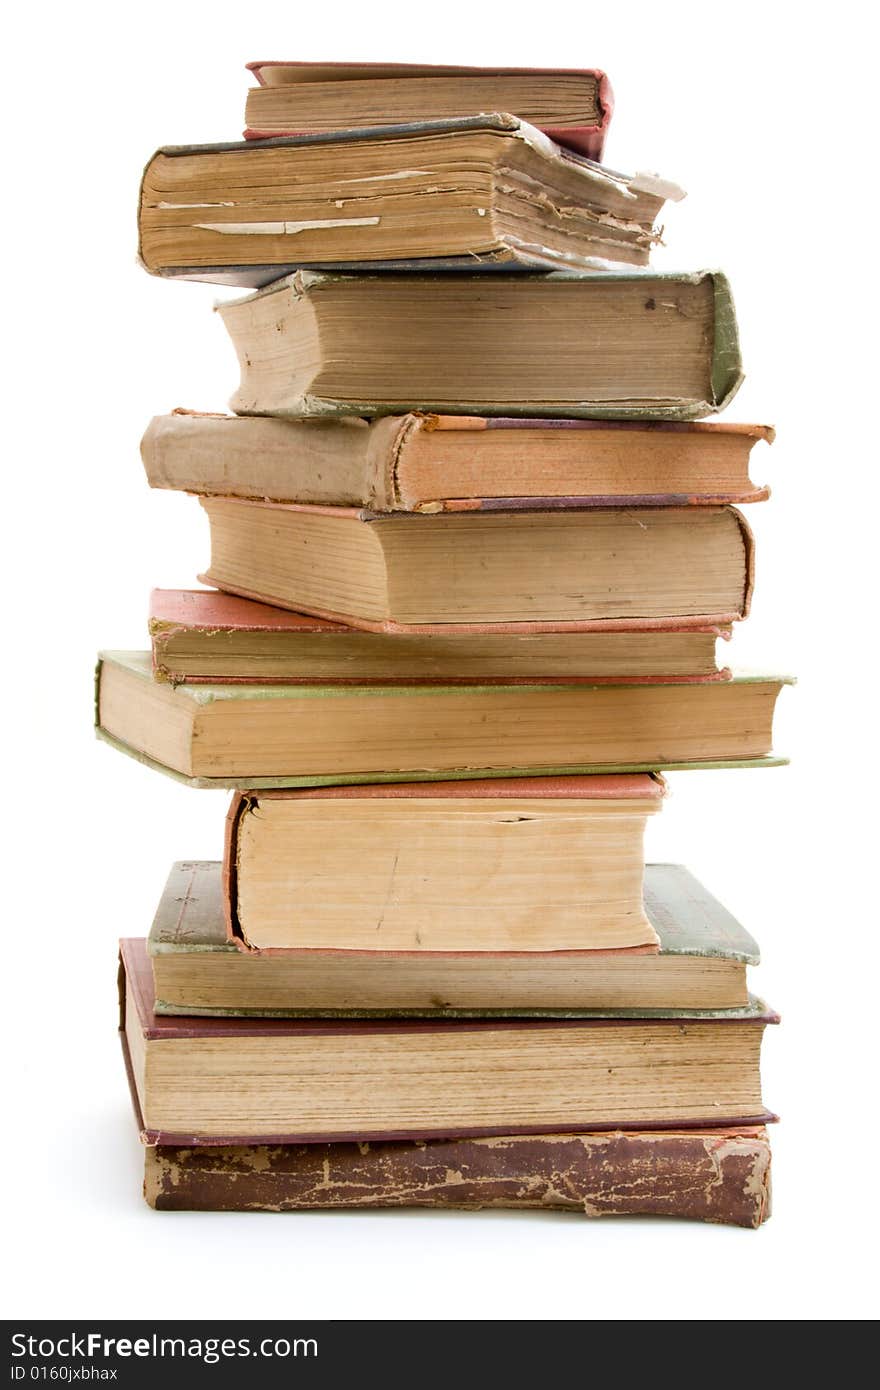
486,190
438,463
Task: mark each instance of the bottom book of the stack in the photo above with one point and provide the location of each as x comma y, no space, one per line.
720,1175
616,1112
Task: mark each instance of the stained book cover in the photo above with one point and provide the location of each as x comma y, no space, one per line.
586,139
711,1175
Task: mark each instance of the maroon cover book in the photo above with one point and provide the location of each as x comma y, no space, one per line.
587,140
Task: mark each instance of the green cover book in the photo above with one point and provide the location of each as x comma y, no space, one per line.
190,930
327,345
262,736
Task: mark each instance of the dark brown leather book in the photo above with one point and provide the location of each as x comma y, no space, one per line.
713,1175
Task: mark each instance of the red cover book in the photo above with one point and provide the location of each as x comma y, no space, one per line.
587,140
605,910
200,635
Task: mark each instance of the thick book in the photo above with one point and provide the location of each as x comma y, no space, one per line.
202,965
269,1080
509,865
502,571
721,1176
572,106
607,345
450,193
431,463
200,635
254,736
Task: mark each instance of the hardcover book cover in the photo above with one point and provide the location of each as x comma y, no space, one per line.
576,570
513,865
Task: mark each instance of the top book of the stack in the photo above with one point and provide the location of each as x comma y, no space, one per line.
458,193
572,106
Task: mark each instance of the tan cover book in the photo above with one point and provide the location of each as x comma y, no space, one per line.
430,463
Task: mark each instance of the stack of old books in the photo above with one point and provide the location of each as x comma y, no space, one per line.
470,560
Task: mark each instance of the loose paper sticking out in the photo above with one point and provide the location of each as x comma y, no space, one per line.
283,228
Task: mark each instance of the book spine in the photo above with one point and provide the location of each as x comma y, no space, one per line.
716,1176
346,465
727,368
241,802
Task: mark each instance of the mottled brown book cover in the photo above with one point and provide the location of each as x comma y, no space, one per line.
720,1176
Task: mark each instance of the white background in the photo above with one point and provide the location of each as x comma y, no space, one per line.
762,112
